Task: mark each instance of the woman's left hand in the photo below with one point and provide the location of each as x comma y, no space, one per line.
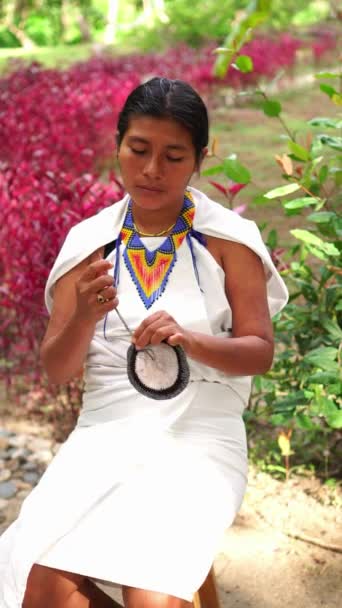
161,327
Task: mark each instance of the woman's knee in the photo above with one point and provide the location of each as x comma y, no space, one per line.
49,587
142,598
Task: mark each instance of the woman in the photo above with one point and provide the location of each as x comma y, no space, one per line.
141,492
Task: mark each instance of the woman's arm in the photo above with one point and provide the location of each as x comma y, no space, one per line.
74,316
250,349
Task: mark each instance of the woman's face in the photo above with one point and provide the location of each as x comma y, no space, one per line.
157,160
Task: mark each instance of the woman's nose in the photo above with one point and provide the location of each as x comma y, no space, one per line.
153,167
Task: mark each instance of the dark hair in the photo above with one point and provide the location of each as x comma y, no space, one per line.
165,98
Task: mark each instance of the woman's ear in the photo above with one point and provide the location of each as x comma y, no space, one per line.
201,159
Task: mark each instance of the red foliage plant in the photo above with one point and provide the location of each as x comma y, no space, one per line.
57,136
61,121
37,209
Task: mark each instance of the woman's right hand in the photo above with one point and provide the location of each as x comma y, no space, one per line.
95,281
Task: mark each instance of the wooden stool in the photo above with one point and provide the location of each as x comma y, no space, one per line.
207,595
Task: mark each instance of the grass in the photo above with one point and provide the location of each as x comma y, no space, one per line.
51,57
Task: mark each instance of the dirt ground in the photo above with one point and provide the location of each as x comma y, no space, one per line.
259,563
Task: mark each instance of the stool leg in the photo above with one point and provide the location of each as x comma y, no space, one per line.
208,594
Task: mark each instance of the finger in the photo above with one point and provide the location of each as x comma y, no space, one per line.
108,292
155,333
104,308
96,255
163,333
146,323
95,269
177,339
105,281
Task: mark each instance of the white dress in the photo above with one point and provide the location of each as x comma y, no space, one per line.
142,490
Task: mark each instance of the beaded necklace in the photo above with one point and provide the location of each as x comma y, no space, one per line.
150,270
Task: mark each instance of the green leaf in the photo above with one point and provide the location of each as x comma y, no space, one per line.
332,142
321,217
321,378
316,161
272,239
304,422
332,328
336,172
213,170
333,123
324,358
259,199
290,402
244,63
271,108
299,203
298,151
326,88
323,174
235,171
326,75
334,419
282,191
311,239
241,31
337,99
280,419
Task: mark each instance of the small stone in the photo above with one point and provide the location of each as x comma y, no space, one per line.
20,453
6,433
8,489
19,441
4,443
44,456
22,485
29,466
22,494
55,448
3,504
38,443
31,478
5,474
13,465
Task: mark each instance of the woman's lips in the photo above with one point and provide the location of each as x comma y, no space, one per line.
149,189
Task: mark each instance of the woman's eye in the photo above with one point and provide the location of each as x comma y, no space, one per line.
174,160
138,151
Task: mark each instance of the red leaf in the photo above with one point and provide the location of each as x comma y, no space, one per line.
219,187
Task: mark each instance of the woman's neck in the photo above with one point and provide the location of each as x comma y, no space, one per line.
155,221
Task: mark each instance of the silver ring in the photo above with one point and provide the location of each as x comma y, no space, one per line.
100,298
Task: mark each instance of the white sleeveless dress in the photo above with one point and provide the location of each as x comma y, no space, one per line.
142,490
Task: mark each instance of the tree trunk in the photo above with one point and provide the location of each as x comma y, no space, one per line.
161,11
112,21
15,17
148,12
85,30
25,41
63,20
154,9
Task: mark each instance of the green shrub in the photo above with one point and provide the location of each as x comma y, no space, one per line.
301,396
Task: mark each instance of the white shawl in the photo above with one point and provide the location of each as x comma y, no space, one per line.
210,219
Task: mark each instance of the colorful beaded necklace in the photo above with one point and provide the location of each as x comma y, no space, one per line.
150,270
